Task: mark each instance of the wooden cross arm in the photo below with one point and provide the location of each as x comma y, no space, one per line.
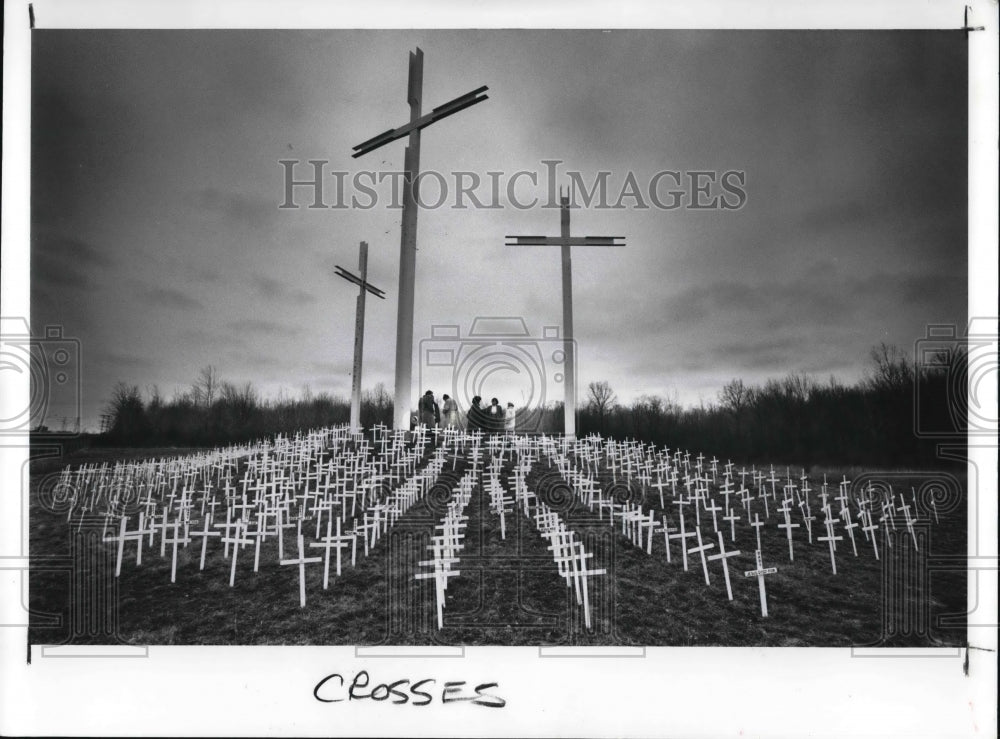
724,555
329,544
341,272
442,111
437,575
305,560
565,241
702,548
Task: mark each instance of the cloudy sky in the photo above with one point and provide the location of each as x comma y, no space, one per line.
158,242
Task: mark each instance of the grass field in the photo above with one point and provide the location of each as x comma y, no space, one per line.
509,591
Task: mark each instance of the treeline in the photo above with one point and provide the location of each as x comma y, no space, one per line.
215,412
795,420
896,416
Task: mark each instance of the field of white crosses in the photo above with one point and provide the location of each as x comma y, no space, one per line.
383,537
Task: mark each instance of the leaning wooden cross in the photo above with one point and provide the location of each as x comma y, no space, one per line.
337,542
701,549
205,533
680,502
302,561
236,540
175,540
788,526
723,555
440,575
123,536
832,540
582,573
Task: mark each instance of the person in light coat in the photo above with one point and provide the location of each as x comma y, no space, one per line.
449,412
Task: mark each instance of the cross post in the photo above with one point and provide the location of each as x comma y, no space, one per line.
566,242
359,328
408,232
759,574
723,555
700,549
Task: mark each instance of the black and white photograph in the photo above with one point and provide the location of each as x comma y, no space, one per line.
418,360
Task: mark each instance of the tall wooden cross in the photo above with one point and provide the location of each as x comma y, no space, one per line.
566,241
359,327
408,237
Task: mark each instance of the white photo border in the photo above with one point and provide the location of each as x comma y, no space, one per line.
668,691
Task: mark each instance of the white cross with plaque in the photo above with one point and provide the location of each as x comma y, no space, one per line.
759,574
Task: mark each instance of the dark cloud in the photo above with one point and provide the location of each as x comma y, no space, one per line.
62,261
239,209
928,289
81,134
331,368
273,289
201,337
716,309
208,275
171,298
251,362
261,326
836,215
124,361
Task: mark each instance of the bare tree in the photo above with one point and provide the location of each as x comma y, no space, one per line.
206,388
241,400
126,412
376,405
891,370
649,404
735,397
601,398
797,388
155,397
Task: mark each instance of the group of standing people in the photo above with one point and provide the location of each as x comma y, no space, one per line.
493,419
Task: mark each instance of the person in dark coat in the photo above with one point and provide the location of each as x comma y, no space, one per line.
495,417
476,415
428,410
